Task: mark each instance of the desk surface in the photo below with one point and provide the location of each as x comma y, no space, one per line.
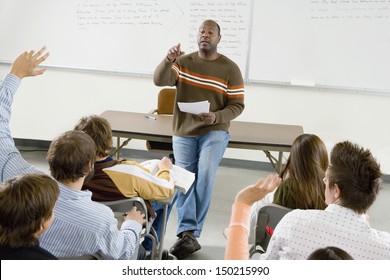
245,135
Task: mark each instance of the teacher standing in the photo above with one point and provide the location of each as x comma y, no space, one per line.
199,141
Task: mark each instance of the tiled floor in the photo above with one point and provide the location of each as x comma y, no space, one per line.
228,182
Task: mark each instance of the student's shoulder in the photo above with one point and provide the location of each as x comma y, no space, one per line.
100,207
86,206
300,216
382,235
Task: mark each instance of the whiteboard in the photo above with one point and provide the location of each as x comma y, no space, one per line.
322,43
124,36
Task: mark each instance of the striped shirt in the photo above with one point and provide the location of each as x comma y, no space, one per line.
218,81
81,226
11,161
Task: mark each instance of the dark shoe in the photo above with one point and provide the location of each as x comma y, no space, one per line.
185,246
167,256
164,254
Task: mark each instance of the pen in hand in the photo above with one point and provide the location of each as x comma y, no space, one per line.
150,117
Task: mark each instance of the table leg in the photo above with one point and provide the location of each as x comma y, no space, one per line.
280,163
118,148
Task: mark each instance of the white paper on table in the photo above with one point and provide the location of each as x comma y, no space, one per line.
194,107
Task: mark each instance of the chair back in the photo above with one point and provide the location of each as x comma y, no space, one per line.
165,104
123,206
166,101
267,218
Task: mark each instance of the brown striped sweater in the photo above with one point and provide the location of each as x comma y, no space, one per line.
219,81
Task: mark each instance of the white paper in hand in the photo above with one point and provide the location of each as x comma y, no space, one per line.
194,107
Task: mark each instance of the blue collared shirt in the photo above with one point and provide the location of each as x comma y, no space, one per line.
84,227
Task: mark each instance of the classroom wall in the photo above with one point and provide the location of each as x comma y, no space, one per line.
47,105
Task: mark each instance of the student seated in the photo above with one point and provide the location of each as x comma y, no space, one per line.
109,186
81,226
26,211
352,182
302,186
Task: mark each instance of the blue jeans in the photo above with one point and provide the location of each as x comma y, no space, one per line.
201,155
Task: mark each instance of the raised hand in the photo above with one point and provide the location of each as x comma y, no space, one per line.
26,63
174,52
253,193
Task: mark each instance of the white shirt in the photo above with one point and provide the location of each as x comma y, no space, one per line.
301,232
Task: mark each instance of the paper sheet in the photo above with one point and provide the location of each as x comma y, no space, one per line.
194,107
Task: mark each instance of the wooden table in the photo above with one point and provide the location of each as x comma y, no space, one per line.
265,137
